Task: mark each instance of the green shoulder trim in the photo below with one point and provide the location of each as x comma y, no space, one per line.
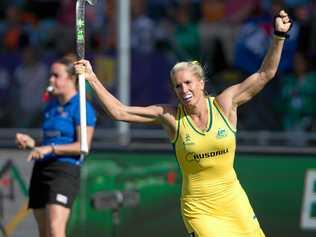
211,114
175,154
224,117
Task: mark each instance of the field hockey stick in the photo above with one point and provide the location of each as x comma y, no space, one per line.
80,40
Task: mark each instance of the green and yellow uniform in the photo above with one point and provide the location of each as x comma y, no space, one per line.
213,203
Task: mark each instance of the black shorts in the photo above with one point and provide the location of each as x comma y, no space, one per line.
54,183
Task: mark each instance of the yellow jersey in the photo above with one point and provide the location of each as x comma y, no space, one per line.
213,203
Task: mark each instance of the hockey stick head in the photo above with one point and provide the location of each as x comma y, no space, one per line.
80,25
92,2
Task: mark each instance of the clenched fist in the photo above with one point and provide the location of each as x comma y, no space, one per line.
282,24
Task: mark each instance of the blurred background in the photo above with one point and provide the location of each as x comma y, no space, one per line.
276,158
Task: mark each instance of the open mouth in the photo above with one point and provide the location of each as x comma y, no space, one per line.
187,97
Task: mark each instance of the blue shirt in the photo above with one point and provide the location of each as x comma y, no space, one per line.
60,123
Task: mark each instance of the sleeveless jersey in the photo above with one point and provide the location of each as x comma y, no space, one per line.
213,202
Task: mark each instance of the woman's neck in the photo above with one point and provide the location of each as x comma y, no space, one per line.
63,99
199,114
198,109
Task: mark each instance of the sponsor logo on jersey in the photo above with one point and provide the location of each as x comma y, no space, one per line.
199,156
52,133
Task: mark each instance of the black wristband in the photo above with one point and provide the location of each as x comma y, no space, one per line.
284,35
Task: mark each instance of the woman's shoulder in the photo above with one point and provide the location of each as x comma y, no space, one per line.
210,98
162,109
51,103
76,101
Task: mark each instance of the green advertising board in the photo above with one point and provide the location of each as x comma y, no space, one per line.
281,188
276,187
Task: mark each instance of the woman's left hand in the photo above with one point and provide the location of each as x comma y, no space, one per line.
38,153
84,67
282,22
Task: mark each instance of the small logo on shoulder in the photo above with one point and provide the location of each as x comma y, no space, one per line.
187,140
221,133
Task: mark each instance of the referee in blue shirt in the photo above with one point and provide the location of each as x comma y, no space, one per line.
55,177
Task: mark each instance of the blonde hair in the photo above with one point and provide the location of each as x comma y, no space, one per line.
194,66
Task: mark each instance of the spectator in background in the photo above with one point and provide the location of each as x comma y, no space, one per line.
12,28
103,44
186,37
3,6
30,83
43,8
219,25
64,36
66,13
146,58
298,93
158,8
253,39
237,11
5,86
305,14
142,28
313,29
95,15
295,3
